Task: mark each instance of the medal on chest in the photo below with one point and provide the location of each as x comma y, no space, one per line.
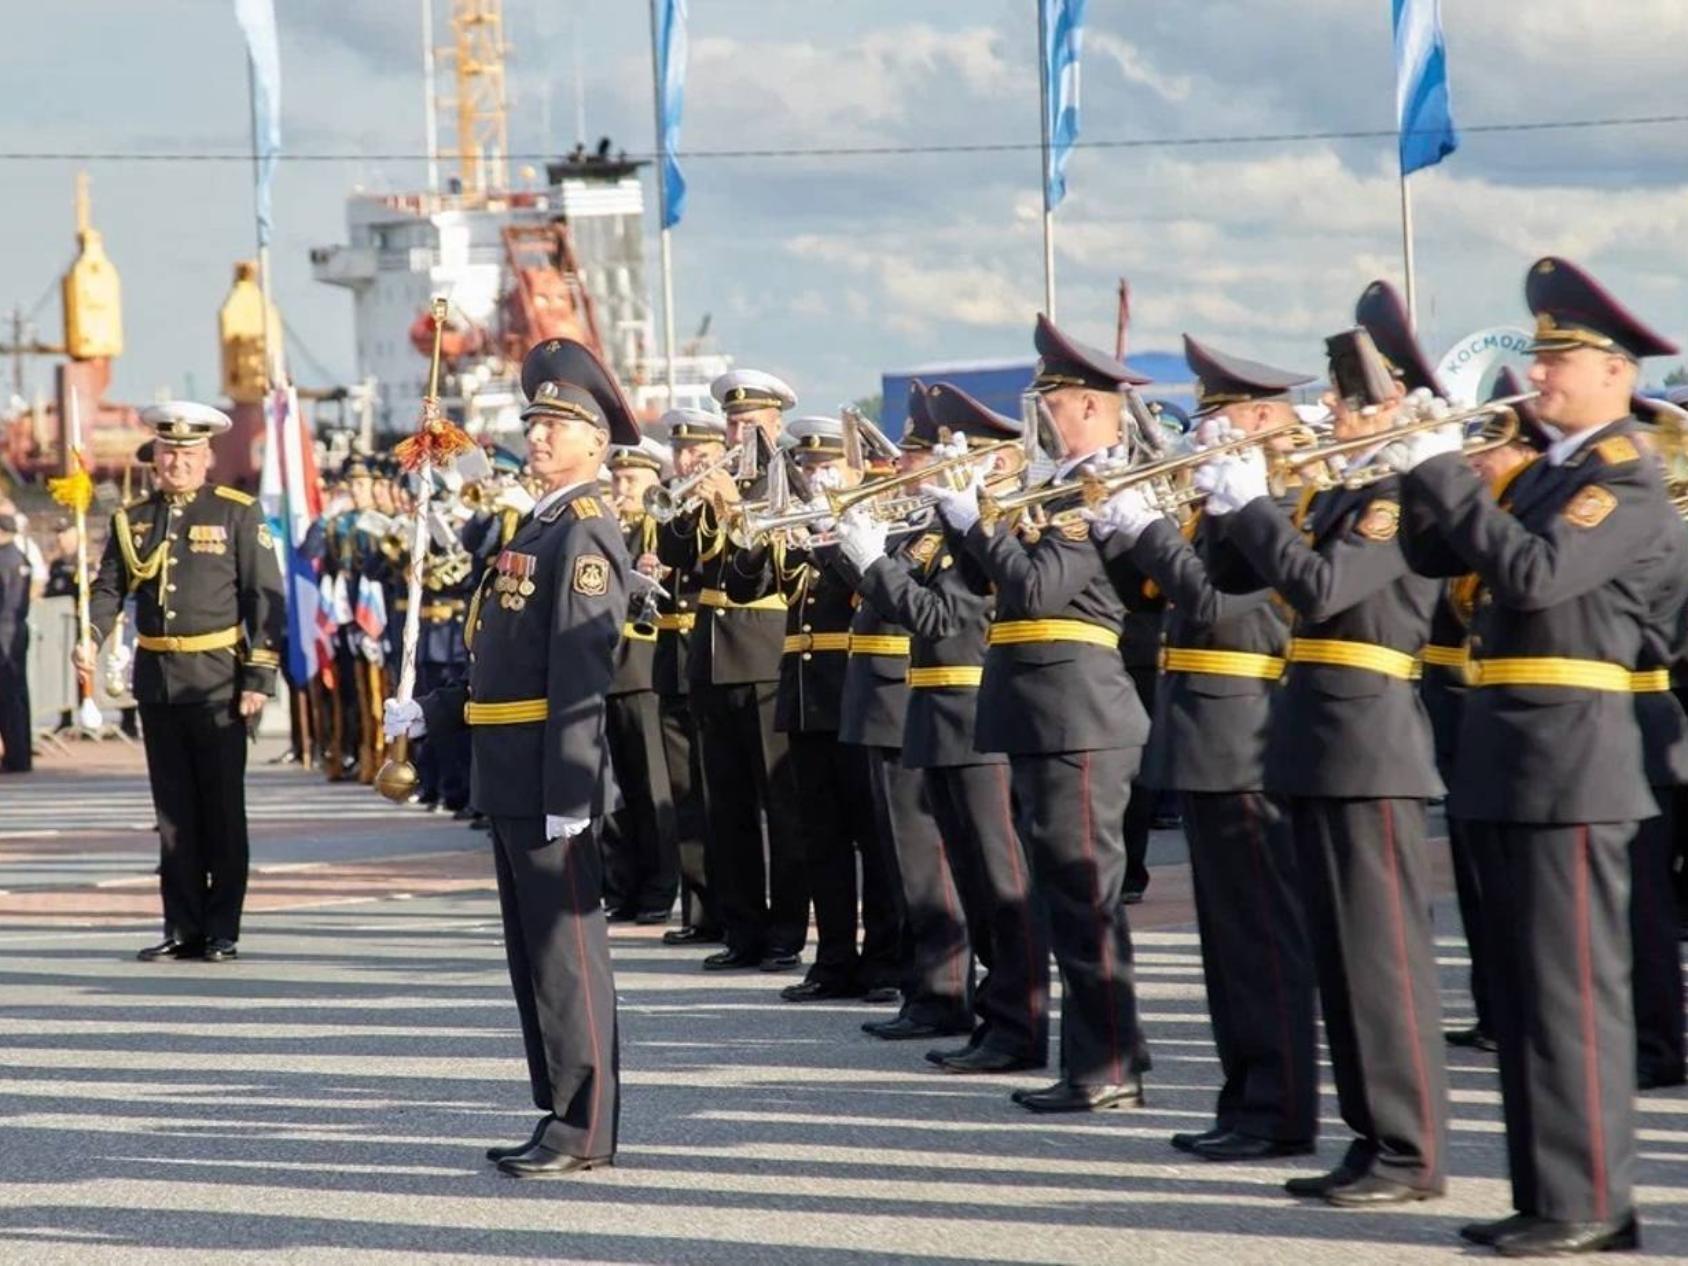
514,583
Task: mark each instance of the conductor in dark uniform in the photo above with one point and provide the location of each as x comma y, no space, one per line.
16,576
543,634
1551,780
1222,657
200,561
1057,701
1349,750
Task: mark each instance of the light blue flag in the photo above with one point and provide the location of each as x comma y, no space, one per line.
1424,112
671,95
257,20
1063,40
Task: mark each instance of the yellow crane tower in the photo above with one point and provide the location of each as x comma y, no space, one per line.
477,56
93,294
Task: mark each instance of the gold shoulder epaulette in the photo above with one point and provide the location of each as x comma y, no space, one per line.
137,503
587,507
1618,450
235,495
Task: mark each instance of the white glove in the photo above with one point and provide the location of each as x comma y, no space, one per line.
861,538
1214,430
1232,481
827,477
1404,454
516,498
955,446
566,828
959,509
403,718
1421,403
1129,512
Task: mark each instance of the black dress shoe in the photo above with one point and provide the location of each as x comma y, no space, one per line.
1132,896
540,1161
937,1055
903,1029
650,918
169,948
1187,1142
691,936
1372,1190
219,949
1472,1038
464,814
1560,1239
1488,1233
880,994
1066,1096
1247,1147
731,960
1318,1184
818,991
781,961
503,1153
622,914
981,1059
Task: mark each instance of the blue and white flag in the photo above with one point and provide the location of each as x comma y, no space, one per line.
257,20
670,98
1062,41
1423,110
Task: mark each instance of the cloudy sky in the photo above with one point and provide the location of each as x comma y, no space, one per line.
830,269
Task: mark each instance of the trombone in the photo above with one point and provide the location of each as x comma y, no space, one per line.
1322,465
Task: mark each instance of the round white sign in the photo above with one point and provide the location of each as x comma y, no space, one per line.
1469,368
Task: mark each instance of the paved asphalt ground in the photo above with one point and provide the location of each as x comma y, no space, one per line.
326,1099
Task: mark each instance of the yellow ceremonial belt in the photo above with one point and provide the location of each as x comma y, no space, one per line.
1551,670
514,712
718,598
221,640
1183,659
799,642
1445,656
878,644
957,675
441,610
1650,681
677,623
1022,632
1339,654
636,633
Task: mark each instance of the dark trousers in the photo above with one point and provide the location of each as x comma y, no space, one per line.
641,845
1140,807
892,793
683,755
442,761
1468,884
1656,983
762,892
937,982
1256,962
974,806
15,736
832,783
1365,880
558,949
196,762
1068,809
1556,899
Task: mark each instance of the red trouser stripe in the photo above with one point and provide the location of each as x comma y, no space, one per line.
1104,917
1256,841
1013,835
1399,919
600,1062
1590,1035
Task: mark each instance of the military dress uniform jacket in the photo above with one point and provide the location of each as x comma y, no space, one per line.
946,602
635,655
874,709
731,644
1054,681
1443,685
1664,724
543,633
819,607
1210,727
1568,573
676,626
1347,721
209,609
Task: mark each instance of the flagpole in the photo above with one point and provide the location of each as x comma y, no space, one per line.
666,238
1407,251
272,375
430,123
1048,211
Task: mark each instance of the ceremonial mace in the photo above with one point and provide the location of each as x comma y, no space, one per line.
75,492
437,442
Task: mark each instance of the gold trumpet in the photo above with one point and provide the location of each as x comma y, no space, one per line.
1321,465
664,503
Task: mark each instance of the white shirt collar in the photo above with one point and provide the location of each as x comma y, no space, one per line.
555,495
1564,447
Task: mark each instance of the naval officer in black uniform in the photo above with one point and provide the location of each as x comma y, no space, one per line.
543,634
209,616
1057,701
16,579
1221,659
1551,779
1349,750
